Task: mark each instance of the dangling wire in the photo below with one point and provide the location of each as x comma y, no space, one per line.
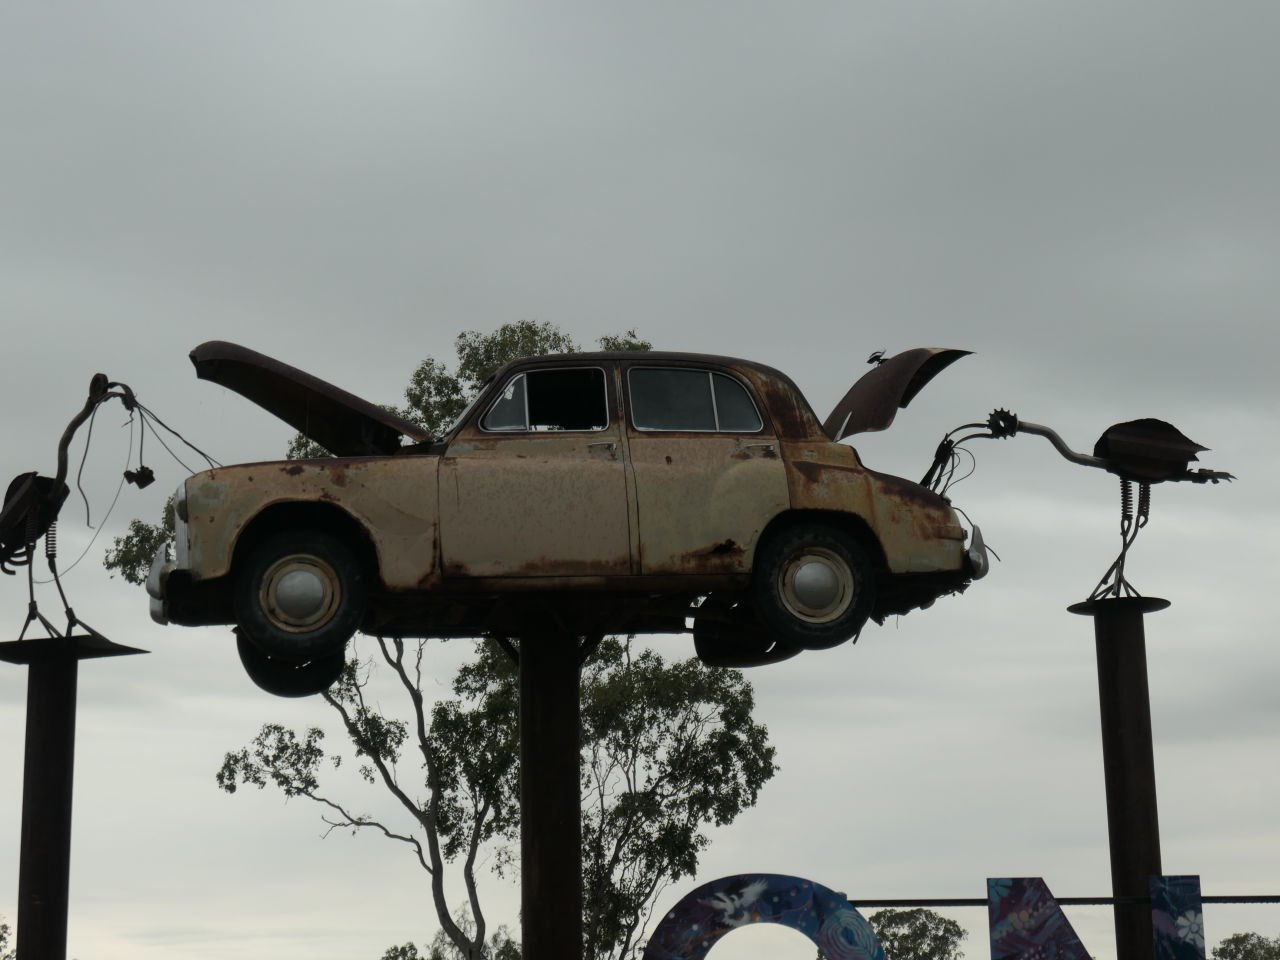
951,478
142,434
85,456
946,459
147,412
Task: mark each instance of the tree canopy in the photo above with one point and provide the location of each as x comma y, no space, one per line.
1247,946
918,934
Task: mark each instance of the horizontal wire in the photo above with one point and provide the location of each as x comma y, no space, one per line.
1065,901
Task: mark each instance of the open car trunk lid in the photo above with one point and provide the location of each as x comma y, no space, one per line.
873,402
340,422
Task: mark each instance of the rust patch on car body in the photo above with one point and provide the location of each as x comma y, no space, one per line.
578,571
917,530
793,418
397,509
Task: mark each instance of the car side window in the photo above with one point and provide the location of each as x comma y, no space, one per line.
735,413
695,400
544,401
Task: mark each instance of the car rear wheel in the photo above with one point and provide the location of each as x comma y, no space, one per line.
300,596
282,678
814,585
727,634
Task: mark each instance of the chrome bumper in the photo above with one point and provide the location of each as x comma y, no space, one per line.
977,557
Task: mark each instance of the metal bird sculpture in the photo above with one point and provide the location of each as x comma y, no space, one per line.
1145,452
32,503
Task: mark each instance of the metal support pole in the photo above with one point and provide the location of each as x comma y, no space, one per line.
44,871
550,797
45,874
1133,825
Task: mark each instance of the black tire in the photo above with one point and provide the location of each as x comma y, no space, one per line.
814,585
284,679
728,635
299,596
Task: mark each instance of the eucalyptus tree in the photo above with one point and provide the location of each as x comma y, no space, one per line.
1247,946
918,934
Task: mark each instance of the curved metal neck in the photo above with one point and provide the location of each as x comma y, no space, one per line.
1060,445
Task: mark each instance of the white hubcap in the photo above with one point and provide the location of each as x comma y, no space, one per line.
300,593
817,585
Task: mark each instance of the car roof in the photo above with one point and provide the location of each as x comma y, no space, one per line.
648,356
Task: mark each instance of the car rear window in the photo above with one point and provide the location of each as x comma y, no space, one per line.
550,400
699,400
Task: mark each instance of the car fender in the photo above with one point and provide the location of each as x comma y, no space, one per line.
392,499
917,530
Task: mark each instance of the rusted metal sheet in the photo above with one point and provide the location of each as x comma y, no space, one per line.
549,504
917,530
339,421
393,499
704,500
793,418
873,402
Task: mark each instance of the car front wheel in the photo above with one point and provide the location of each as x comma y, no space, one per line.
814,585
299,596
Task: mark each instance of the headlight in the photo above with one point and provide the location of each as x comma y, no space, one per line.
979,562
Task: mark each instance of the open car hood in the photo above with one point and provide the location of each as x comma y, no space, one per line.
873,401
340,422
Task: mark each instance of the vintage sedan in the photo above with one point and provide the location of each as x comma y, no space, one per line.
595,492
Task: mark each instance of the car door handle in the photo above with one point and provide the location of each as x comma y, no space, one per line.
768,448
610,445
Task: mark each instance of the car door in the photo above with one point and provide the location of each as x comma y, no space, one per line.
534,485
708,474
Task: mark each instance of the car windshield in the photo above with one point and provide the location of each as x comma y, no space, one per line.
475,398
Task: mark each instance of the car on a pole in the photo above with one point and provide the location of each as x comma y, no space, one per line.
619,492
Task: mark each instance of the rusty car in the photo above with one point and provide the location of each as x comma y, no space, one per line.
613,492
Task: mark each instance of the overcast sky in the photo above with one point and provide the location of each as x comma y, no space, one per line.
1082,193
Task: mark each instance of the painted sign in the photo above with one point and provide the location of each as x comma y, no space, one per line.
1026,922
